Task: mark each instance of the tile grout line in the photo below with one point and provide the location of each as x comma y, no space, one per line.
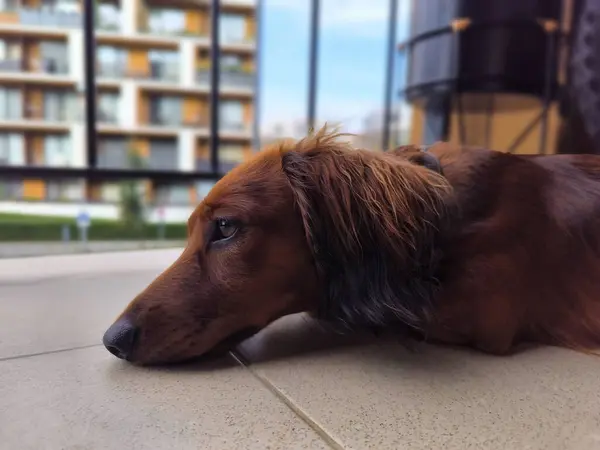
50,352
321,432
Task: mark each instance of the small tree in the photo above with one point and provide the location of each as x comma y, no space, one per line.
133,208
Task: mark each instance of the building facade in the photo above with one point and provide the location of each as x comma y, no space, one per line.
153,87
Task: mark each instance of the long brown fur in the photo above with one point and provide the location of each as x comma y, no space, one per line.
457,245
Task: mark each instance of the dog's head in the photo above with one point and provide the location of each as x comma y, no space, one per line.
316,226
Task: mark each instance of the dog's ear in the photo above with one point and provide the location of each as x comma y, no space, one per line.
372,222
427,160
420,157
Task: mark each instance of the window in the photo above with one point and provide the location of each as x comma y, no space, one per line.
64,190
232,28
110,192
112,152
11,189
67,6
11,104
112,61
231,62
57,105
203,188
9,5
166,21
10,50
232,115
57,150
54,58
231,153
108,16
11,149
165,110
164,64
163,154
108,107
172,194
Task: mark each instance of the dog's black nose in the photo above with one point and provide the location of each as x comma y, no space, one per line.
119,339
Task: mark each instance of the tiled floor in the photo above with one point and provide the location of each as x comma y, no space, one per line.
293,386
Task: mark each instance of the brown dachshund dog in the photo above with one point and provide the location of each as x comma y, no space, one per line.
453,245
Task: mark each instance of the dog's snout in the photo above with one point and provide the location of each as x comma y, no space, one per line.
120,338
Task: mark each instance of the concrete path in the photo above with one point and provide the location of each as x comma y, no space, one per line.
24,249
293,386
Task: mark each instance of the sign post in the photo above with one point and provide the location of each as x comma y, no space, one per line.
161,222
83,223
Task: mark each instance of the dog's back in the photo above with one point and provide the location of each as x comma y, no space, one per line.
522,261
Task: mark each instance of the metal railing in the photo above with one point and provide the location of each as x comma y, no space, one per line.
45,18
204,165
163,31
11,65
51,66
105,25
93,171
236,78
201,122
159,72
108,117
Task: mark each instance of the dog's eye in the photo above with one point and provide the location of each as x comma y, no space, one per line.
224,229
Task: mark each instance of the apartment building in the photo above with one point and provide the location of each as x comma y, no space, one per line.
153,85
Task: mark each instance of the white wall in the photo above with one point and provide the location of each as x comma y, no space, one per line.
105,211
187,58
186,150
129,13
172,214
128,113
75,53
78,143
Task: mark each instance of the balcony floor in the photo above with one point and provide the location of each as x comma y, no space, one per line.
293,386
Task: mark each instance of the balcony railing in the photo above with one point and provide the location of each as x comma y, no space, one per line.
38,114
162,121
38,17
48,66
233,126
11,65
160,31
109,26
164,72
159,72
204,165
235,78
239,2
107,117
200,122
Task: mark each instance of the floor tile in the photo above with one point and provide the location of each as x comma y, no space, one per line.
86,399
377,395
63,312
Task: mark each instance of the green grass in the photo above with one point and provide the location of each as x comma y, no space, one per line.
23,228
27,218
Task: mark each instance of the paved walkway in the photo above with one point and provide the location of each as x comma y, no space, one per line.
23,249
293,386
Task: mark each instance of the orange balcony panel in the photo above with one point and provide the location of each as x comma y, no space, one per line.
250,27
34,189
138,62
194,22
142,147
9,17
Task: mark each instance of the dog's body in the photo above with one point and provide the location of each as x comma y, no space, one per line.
487,249
522,259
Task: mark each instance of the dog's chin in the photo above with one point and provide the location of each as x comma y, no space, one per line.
215,352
